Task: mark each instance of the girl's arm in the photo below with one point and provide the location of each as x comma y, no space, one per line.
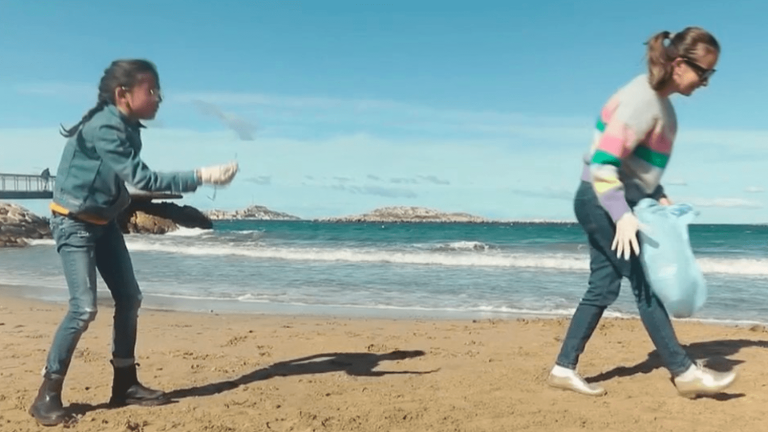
113,147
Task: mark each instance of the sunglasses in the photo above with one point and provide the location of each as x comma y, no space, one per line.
703,73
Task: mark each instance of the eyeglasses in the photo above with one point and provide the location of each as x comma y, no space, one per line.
156,93
703,73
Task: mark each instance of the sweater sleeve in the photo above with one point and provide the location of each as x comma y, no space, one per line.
658,193
629,124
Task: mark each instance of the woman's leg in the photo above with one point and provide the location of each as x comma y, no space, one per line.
657,323
690,379
604,287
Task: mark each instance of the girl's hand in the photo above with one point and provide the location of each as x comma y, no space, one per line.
665,201
218,174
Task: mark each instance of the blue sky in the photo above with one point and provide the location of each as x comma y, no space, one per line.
339,107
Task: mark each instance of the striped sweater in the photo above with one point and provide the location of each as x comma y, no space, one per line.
632,144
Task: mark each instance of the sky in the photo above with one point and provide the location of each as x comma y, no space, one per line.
339,107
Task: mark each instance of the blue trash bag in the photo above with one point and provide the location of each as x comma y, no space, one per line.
668,262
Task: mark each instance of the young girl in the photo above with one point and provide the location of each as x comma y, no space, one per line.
632,146
101,155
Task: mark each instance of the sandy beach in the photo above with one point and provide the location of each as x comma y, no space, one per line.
229,372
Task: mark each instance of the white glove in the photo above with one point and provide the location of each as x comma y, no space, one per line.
626,236
217,174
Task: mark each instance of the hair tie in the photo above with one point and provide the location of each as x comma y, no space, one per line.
668,40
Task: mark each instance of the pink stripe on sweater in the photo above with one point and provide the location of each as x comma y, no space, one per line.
660,142
611,144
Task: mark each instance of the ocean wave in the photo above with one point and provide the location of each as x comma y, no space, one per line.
453,254
462,246
188,232
735,266
554,261
479,310
378,305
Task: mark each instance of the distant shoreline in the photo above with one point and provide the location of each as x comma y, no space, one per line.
420,222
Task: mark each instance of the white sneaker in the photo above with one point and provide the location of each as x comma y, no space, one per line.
700,381
569,379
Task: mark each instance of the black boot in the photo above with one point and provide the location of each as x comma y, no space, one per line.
126,389
47,408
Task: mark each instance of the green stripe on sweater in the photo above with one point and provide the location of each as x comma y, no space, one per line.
659,160
604,158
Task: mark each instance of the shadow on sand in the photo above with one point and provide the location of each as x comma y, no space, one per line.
353,364
715,353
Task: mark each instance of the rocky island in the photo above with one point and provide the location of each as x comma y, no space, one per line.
408,214
18,225
254,212
143,216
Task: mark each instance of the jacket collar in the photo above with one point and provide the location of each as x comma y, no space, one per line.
129,122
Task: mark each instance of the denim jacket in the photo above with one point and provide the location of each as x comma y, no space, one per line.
100,159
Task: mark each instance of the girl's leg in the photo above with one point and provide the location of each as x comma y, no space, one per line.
75,242
115,266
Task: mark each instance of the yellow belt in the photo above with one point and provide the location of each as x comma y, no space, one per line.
82,216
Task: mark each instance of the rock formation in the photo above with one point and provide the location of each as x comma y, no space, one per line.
146,217
408,214
254,212
17,225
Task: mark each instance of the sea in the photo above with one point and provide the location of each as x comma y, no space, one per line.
395,270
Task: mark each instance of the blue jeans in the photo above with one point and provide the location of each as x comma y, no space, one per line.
606,274
83,248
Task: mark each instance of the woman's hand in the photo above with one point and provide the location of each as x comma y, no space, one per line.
625,240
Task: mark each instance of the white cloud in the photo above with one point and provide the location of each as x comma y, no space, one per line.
674,182
434,180
416,118
377,191
547,193
263,180
726,203
274,111
495,164
419,179
754,189
58,89
403,180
